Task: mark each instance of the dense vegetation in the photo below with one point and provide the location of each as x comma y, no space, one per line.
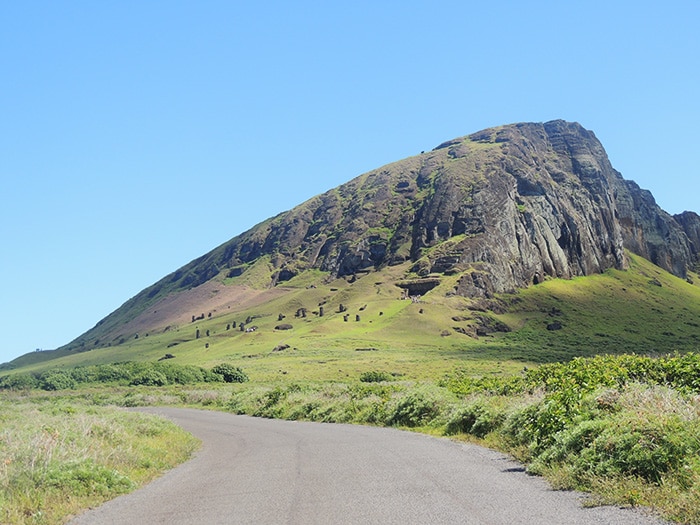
625,428
128,373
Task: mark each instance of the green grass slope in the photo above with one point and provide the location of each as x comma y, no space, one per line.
643,310
366,326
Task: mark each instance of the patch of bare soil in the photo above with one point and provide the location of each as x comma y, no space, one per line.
212,297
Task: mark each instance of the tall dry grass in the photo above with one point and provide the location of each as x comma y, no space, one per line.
59,456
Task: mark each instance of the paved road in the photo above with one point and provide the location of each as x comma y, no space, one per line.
260,471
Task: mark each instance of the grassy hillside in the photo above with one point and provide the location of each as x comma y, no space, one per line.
644,310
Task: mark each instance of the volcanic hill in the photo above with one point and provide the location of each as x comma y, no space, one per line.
484,236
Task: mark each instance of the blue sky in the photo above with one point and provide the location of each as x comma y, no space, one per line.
136,136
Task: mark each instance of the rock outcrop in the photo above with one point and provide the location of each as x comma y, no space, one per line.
505,207
690,222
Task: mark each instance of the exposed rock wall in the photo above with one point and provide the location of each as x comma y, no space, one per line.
690,222
504,207
651,232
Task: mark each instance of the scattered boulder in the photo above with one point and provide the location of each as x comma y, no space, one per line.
469,331
418,286
285,274
477,285
487,325
284,326
235,272
280,348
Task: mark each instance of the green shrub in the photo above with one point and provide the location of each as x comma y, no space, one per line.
181,375
150,378
570,443
681,372
475,418
587,374
416,408
374,376
648,448
57,380
127,373
463,384
230,373
19,382
645,432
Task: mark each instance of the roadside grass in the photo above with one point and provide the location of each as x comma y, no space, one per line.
625,429
61,455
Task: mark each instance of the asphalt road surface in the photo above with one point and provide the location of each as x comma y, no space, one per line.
261,471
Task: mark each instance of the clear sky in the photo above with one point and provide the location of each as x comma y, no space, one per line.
136,136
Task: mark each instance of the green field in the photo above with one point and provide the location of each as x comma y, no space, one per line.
642,310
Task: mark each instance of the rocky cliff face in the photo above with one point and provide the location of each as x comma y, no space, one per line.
504,208
690,222
651,232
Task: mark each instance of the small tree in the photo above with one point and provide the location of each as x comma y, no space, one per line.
375,376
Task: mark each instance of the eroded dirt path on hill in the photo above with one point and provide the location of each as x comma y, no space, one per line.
260,471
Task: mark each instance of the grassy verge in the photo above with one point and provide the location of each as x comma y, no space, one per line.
59,456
